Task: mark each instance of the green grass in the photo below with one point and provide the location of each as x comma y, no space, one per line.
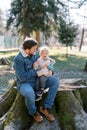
75,61
71,67
70,63
8,54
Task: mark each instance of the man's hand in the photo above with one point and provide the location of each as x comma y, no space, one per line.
49,74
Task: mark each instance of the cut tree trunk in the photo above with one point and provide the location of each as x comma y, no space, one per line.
4,61
69,108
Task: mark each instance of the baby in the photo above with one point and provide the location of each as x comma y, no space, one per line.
44,67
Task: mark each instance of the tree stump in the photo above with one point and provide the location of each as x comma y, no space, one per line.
70,109
4,61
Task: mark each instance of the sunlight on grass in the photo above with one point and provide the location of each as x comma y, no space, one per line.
73,51
8,54
62,58
75,61
71,67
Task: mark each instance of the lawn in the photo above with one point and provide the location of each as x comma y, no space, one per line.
71,67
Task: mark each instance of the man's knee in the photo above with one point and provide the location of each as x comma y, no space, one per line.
30,94
27,91
54,79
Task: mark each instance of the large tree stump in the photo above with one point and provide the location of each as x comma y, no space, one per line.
70,109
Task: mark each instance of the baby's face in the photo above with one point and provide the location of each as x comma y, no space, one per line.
44,54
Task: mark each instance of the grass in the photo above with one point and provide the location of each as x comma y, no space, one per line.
8,54
71,67
76,60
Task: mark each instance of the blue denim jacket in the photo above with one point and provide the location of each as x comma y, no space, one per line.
23,66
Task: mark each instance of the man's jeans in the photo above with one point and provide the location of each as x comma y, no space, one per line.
27,91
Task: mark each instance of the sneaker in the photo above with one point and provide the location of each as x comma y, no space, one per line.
37,117
47,114
38,98
39,93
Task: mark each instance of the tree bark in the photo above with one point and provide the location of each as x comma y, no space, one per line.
82,38
69,108
4,61
38,37
85,69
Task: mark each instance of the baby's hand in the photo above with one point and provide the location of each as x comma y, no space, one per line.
44,66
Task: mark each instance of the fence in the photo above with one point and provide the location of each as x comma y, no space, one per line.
10,42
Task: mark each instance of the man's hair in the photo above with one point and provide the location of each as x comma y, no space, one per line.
29,43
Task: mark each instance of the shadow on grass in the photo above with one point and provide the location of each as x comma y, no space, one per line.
67,68
71,63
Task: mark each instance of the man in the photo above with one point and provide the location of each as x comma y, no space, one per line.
26,80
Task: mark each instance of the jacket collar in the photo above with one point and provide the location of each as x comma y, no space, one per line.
23,52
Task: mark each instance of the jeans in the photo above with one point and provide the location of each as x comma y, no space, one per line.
27,90
40,84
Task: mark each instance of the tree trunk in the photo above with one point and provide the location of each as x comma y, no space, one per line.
82,37
66,51
38,37
85,69
69,108
26,33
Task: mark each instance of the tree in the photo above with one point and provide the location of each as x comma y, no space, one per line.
85,69
82,37
32,15
79,3
67,32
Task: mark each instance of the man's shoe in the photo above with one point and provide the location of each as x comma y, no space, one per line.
37,117
47,114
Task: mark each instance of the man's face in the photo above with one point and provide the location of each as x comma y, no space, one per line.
32,50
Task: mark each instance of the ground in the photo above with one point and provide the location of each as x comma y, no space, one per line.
7,76
71,67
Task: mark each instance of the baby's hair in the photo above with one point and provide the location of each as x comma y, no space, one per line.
42,48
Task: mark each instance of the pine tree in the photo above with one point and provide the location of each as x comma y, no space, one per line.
32,15
67,33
